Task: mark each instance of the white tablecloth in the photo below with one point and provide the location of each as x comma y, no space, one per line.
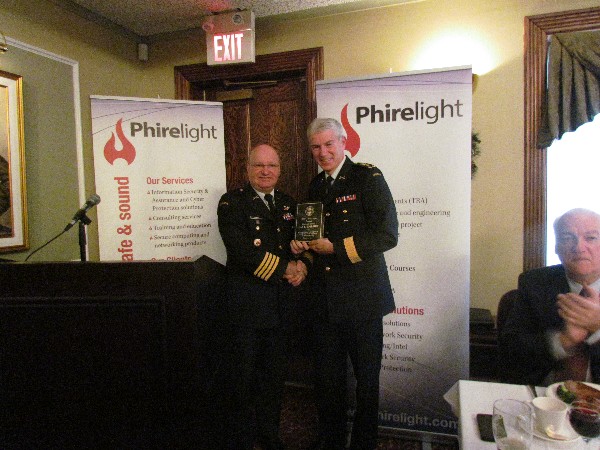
468,398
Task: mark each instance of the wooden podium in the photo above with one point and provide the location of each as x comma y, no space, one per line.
109,355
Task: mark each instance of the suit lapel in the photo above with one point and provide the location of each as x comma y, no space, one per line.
278,204
561,282
556,284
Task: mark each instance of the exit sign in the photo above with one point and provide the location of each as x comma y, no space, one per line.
229,38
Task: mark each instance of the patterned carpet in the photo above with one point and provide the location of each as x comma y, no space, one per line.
299,425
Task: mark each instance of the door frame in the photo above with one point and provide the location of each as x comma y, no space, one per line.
307,62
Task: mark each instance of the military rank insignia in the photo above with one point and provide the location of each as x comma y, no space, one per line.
345,198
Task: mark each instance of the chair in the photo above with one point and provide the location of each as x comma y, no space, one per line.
506,303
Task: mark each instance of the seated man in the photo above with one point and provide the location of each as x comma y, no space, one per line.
553,331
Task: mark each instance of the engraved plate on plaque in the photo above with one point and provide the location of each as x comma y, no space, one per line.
309,221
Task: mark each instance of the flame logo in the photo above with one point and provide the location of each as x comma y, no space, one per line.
127,152
353,139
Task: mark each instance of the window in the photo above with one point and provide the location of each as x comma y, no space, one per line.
537,30
572,166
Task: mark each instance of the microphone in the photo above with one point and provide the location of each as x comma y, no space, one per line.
89,204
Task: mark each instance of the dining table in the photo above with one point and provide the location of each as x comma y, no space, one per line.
467,398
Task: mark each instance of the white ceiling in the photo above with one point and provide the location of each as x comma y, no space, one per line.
143,19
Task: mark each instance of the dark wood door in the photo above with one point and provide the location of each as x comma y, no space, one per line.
277,103
275,114
271,101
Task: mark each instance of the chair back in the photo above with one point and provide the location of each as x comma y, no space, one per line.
506,303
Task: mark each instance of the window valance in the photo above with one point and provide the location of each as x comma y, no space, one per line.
572,84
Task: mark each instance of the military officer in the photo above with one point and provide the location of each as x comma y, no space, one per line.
256,224
350,285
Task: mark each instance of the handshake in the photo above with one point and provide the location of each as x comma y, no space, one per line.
295,273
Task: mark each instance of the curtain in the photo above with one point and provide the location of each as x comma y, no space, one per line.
572,84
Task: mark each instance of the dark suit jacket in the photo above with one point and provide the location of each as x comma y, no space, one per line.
258,251
524,349
361,222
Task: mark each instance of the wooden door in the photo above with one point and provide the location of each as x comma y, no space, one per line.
275,114
272,101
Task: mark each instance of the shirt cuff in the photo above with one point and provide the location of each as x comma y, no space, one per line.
556,347
594,338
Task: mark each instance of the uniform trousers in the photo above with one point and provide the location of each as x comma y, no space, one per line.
258,369
362,341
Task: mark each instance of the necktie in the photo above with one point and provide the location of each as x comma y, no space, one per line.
576,366
330,181
595,364
269,199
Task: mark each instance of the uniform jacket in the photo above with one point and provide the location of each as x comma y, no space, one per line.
525,354
258,251
360,220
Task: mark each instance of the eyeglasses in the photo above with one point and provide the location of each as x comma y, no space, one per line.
265,166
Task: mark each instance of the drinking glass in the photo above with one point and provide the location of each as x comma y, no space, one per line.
512,423
585,419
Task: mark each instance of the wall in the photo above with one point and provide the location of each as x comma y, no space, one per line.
50,148
107,66
355,44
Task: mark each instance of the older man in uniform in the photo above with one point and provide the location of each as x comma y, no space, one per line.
350,285
257,224
553,331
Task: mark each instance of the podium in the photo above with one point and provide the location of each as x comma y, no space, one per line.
109,355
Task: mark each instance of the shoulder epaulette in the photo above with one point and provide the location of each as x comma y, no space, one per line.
367,165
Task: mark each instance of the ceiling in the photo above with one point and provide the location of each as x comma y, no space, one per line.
150,20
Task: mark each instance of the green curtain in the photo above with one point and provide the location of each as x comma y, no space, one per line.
572,95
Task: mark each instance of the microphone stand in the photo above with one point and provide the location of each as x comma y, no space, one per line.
83,221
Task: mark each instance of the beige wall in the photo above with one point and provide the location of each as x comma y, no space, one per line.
355,44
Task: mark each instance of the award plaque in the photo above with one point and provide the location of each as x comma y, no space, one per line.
309,221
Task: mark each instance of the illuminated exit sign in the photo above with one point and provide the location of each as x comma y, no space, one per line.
229,38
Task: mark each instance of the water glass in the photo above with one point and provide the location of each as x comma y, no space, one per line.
512,423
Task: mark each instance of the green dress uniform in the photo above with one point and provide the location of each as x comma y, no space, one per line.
352,292
258,251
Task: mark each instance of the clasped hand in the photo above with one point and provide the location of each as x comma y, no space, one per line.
322,246
581,315
295,272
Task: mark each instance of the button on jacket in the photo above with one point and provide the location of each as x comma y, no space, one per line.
360,220
258,251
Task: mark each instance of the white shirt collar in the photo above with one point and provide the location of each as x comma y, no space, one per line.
262,195
576,287
335,173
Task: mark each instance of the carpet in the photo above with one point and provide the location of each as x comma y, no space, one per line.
299,425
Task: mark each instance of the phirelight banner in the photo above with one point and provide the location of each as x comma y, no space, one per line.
160,171
416,127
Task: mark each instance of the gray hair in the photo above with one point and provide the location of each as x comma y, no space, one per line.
324,124
573,212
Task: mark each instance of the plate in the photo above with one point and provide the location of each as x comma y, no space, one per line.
566,430
551,390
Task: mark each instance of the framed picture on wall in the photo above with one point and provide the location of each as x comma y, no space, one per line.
13,202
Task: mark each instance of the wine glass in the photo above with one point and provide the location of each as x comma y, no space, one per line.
512,423
585,419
